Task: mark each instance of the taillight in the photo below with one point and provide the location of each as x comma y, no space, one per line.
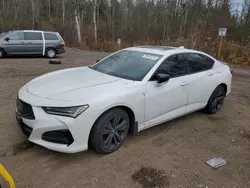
62,44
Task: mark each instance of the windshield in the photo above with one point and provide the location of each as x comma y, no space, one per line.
4,34
127,64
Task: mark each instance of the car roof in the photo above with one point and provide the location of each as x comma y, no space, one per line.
165,50
34,31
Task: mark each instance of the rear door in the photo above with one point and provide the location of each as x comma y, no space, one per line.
33,42
202,79
52,40
15,43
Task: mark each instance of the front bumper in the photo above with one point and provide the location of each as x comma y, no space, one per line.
58,133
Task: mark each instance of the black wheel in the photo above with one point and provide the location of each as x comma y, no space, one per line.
216,100
1,53
50,53
110,131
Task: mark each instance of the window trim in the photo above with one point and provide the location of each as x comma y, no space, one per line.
201,55
150,80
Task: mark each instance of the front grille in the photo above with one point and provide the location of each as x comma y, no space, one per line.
26,129
24,109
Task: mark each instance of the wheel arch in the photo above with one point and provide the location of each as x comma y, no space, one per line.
133,127
50,47
224,86
3,50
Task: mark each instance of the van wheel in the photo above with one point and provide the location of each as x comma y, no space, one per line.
50,53
1,53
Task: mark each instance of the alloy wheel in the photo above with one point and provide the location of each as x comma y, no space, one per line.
114,131
218,99
51,53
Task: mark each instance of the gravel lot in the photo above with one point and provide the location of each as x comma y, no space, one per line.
170,155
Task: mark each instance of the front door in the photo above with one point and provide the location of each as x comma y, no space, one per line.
14,43
167,100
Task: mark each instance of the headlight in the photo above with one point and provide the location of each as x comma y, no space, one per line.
74,111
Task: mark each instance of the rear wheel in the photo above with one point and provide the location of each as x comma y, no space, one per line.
216,100
110,131
50,53
1,53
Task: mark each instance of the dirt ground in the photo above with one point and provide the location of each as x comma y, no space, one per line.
170,155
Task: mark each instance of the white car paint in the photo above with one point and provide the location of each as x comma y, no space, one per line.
151,103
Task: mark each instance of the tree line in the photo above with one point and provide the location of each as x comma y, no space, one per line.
97,23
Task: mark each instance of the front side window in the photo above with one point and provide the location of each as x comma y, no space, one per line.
198,62
33,36
132,65
50,36
16,36
174,66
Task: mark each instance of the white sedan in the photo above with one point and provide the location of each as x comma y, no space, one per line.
126,92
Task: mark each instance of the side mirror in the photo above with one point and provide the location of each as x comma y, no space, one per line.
161,78
7,39
97,61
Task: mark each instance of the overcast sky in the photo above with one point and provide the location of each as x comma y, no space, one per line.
237,4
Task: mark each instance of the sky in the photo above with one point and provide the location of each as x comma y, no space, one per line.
237,5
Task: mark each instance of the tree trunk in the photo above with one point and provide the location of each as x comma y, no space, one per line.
49,9
63,12
33,7
113,20
78,28
94,20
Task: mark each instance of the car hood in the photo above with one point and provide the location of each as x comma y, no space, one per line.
67,82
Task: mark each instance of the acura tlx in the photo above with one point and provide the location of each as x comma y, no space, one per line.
131,90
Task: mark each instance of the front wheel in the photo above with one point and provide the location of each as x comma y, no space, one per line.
110,131
1,53
216,100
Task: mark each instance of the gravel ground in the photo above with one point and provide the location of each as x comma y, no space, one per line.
170,155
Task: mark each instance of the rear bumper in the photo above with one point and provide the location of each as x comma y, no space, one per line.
60,50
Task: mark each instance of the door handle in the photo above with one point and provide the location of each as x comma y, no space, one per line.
210,74
184,84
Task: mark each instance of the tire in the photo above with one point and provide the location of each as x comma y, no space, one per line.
216,100
110,131
2,53
50,53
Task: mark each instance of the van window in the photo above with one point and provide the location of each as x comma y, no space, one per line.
16,36
33,36
50,36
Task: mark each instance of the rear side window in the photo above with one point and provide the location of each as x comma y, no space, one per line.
174,66
50,36
33,36
16,36
198,62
